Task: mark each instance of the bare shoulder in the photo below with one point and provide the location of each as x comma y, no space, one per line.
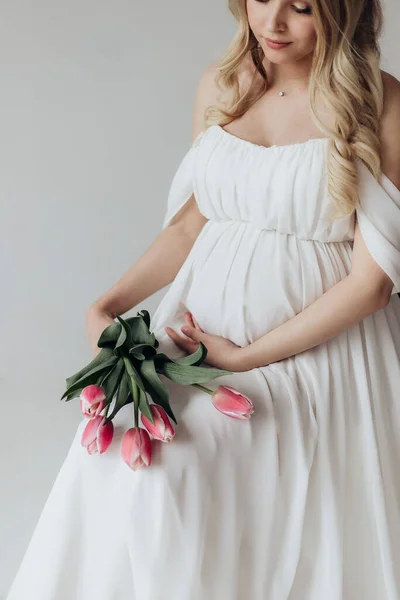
208,93
391,94
390,128
389,79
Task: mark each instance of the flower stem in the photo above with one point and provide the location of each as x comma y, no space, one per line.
136,414
201,387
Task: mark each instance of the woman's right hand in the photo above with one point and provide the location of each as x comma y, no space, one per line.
97,320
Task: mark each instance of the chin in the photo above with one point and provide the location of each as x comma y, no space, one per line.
279,60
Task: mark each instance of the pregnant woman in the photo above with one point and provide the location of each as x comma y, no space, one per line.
281,242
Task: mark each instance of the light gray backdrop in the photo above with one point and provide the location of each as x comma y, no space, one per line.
96,104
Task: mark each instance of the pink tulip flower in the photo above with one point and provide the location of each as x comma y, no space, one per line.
162,428
97,437
231,403
92,401
136,448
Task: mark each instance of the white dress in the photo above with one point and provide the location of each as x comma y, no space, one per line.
301,502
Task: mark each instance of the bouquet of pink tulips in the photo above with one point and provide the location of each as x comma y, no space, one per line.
127,371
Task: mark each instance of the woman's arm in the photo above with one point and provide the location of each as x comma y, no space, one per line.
159,265
156,268
161,262
345,304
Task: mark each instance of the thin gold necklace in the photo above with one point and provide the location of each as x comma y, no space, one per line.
281,93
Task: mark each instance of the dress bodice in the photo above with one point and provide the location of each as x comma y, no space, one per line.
285,189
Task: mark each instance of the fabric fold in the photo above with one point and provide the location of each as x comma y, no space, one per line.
182,186
378,216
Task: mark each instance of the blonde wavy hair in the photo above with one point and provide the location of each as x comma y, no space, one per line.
345,72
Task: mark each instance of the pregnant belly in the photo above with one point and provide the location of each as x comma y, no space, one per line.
246,281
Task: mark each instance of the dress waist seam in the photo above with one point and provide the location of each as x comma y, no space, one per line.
280,231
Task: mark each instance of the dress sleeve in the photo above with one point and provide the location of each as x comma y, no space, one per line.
182,186
378,216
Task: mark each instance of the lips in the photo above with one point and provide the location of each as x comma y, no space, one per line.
276,45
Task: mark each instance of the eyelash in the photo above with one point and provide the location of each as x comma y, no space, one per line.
299,11
303,11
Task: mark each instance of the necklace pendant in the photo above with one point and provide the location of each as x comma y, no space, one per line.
281,93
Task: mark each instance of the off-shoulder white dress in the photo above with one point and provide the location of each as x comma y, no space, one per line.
302,502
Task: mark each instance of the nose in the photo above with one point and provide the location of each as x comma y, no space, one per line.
274,18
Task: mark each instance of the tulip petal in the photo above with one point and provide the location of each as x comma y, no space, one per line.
232,403
92,394
92,401
162,429
90,431
105,435
130,448
146,448
240,416
92,448
136,448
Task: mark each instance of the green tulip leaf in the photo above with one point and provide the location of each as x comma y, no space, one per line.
112,380
133,374
159,361
122,397
187,375
145,316
137,355
144,406
99,381
125,335
109,336
143,351
140,331
155,387
102,357
90,377
193,359
134,389
103,376
134,380
121,339
76,391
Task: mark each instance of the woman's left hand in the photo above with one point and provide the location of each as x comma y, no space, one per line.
221,352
